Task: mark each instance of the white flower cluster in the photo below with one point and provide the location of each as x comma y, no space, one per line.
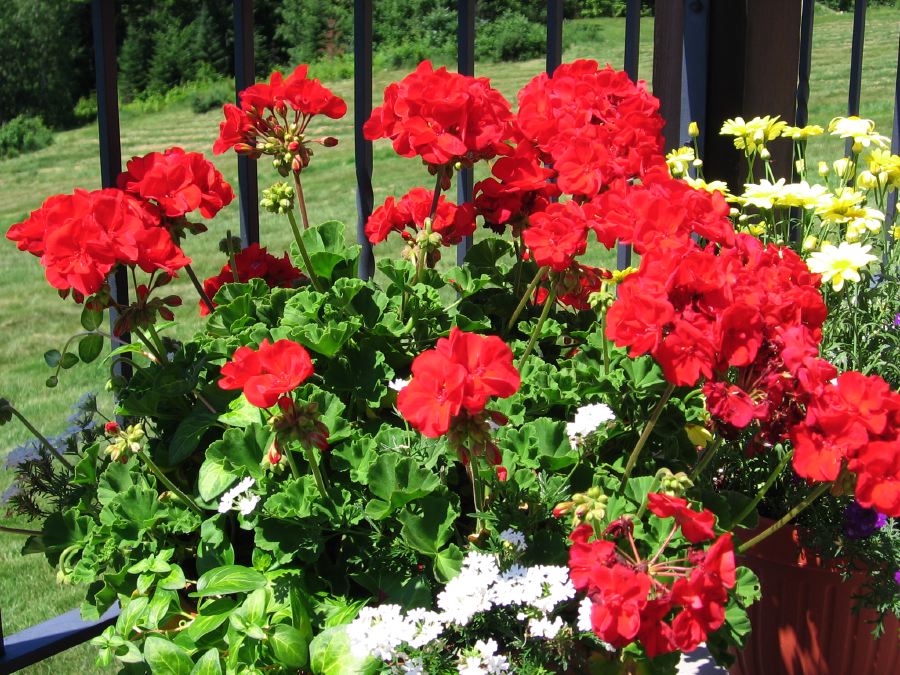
479,587
380,631
398,384
483,659
588,419
514,539
241,497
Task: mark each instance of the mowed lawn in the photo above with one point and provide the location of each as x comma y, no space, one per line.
33,319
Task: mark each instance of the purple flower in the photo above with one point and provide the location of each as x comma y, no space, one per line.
897,320
861,522
897,577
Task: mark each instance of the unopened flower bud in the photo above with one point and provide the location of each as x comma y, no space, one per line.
698,435
810,242
866,180
764,153
111,428
823,168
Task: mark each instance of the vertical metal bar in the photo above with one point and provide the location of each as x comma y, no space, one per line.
465,58
103,23
554,34
807,13
856,56
244,76
891,211
632,58
694,65
362,109
632,38
668,46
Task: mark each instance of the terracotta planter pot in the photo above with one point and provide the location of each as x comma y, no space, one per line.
804,624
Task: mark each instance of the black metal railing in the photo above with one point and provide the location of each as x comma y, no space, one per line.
693,40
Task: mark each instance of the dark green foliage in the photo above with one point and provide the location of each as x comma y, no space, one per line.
512,37
23,134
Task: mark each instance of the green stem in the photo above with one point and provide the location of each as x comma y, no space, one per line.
765,488
169,484
306,261
645,503
477,491
642,441
204,298
288,453
151,348
160,345
314,466
785,519
301,200
19,530
527,295
706,459
232,260
548,303
38,435
605,343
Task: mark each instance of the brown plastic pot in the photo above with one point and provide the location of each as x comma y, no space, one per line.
804,624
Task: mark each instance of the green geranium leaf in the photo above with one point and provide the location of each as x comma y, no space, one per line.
399,480
747,588
214,479
331,256
91,319
241,450
188,434
289,646
166,658
448,563
241,413
208,664
330,654
540,443
429,527
229,579
90,347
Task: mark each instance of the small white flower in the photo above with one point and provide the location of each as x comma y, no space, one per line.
485,661
398,384
584,615
379,632
545,628
469,592
409,666
587,420
515,539
240,493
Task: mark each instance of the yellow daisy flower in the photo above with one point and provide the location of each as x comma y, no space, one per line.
679,159
839,264
802,133
751,136
862,131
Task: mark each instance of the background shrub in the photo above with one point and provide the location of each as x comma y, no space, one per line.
511,37
23,134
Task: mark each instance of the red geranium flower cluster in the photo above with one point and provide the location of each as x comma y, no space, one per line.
442,117
178,182
591,125
520,185
557,235
81,237
253,262
262,124
450,221
665,605
854,423
266,373
454,381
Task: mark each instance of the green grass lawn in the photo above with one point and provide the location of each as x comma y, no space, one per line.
33,319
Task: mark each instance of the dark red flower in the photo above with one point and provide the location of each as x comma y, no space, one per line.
268,372
253,262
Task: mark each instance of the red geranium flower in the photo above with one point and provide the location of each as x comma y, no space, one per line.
443,117
268,372
180,182
457,376
696,526
558,235
450,221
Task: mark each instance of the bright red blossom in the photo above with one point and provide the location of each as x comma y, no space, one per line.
442,117
268,372
455,379
408,213
179,182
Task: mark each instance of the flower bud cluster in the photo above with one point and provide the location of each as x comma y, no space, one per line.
129,440
299,422
278,199
673,484
586,507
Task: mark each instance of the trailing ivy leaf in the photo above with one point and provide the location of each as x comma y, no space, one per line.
68,360
90,347
208,664
289,646
166,658
52,357
174,580
330,654
228,579
159,607
131,615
